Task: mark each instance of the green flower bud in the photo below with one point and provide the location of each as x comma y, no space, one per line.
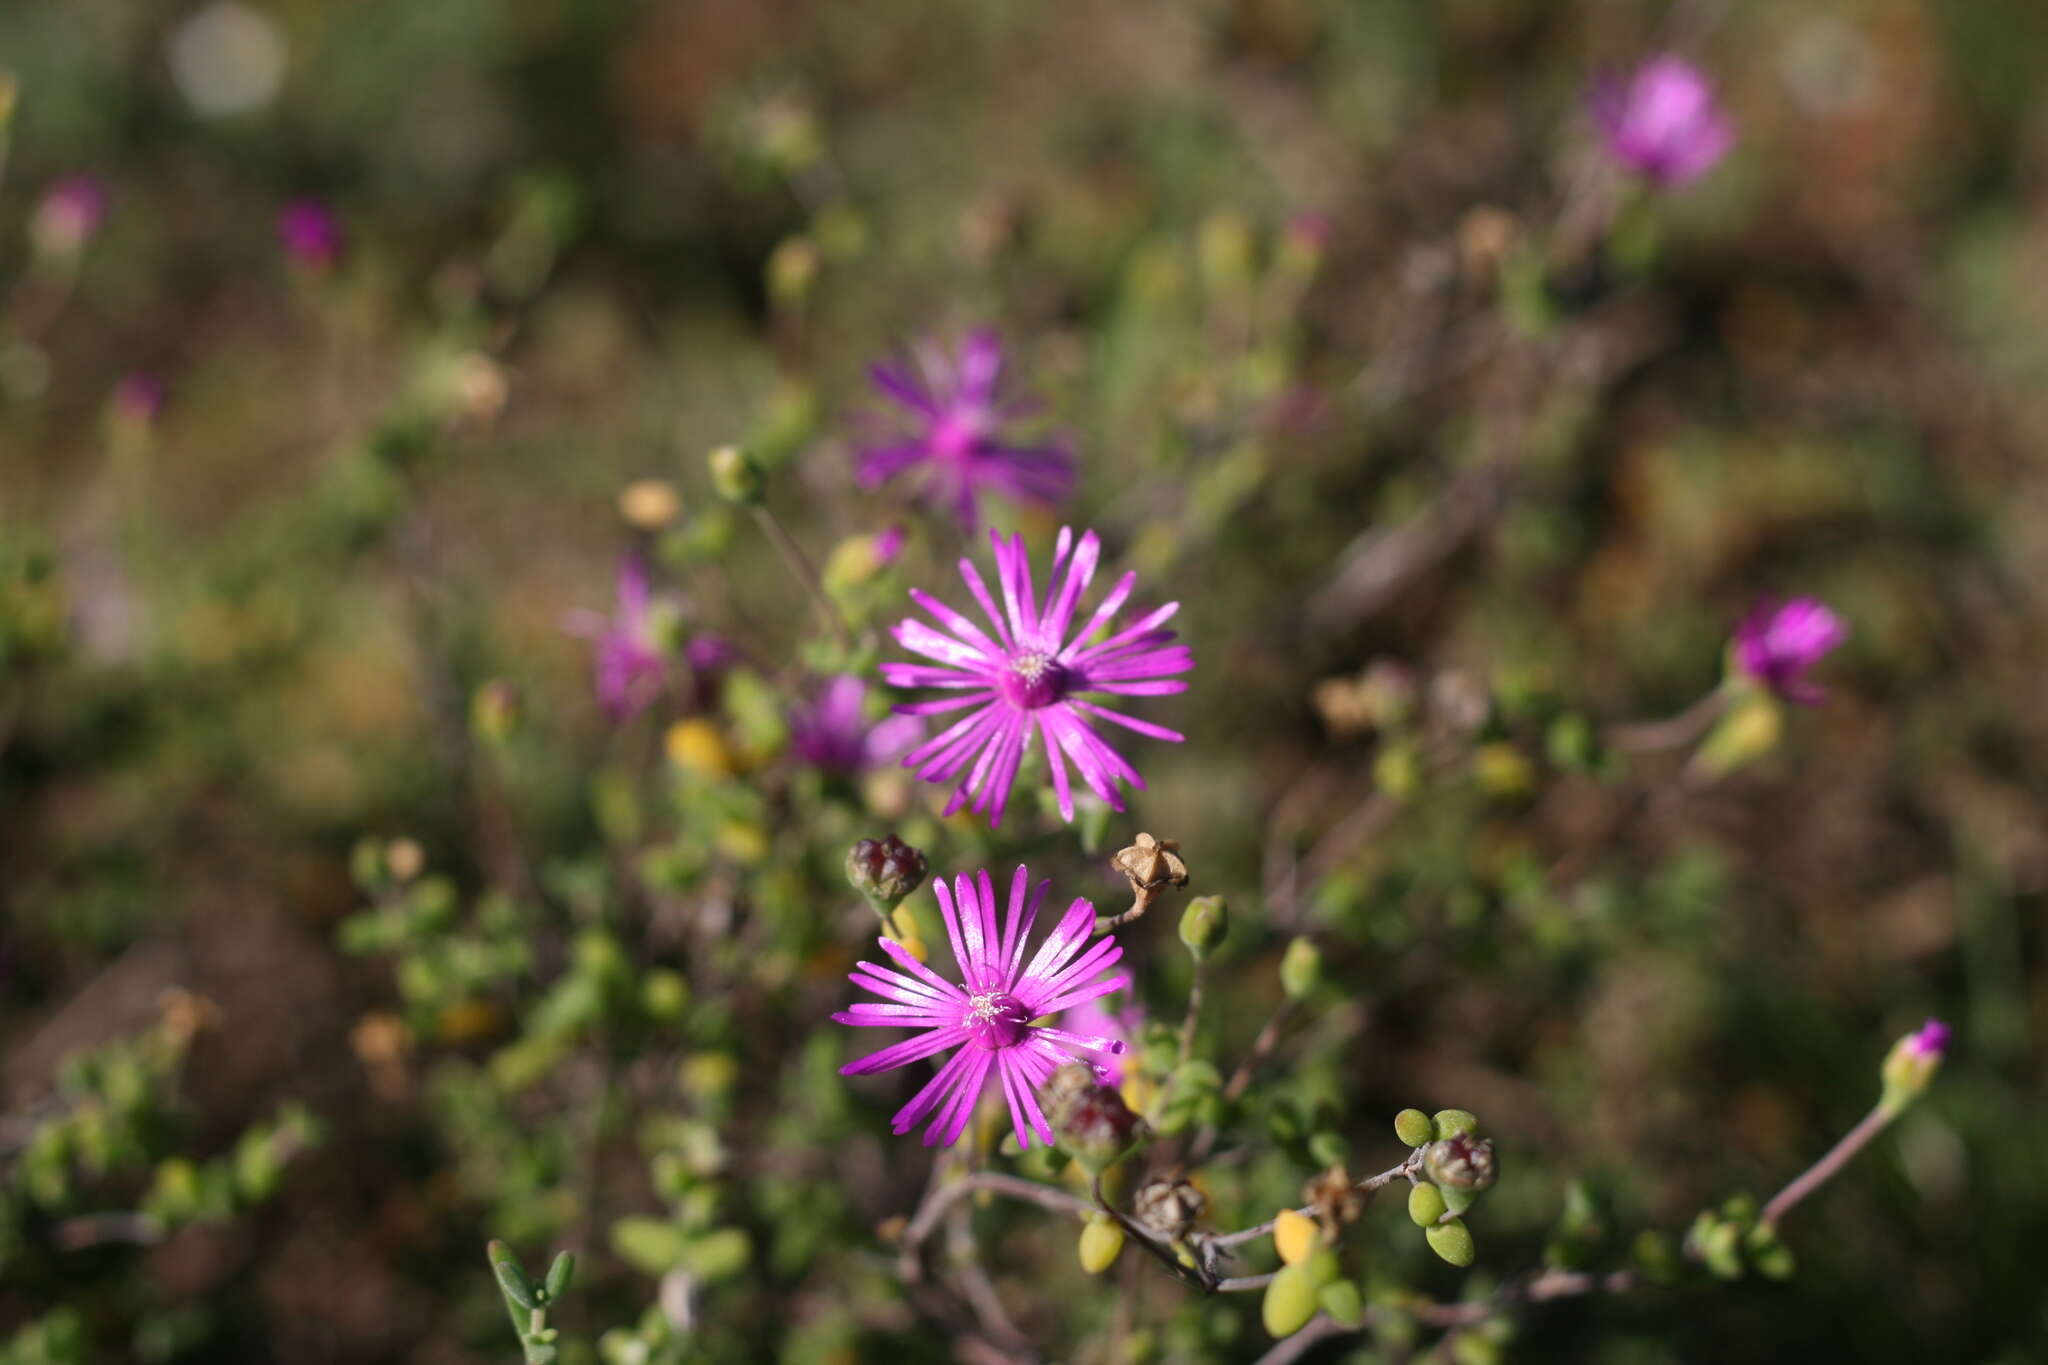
885,870
1425,1204
1413,1127
735,475
1910,1066
1450,1123
1322,1267
1457,1200
1300,968
1748,730
1290,1301
559,1275
1203,925
1452,1241
511,1276
1461,1163
1342,1301
1102,1240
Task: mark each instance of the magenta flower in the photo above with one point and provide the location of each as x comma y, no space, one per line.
310,234
1124,1025
70,213
955,448
888,547
1026,679
628,664
1778,645
1664,122
832,733
988,1017
1931,1040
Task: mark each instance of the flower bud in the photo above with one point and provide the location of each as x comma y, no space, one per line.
1169,1207
1090,1120
1452,1241
1295,1236
1425,1204
735,475
1450,1123
1102,1240
1911,1064
1413,1127
1301,968
559,1275
1290,1301
885,870
696,746
1462,1163
1204,924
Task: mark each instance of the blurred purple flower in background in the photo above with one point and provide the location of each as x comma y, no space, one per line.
1024,679
310,234
139,398
628,665
1124,1024
831,732
70,213
954,449
889,547
1663,122
988,1017
1778,645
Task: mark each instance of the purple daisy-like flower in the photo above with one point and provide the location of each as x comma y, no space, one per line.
1026,679
1663,121
310,233
831,732
955,446
1779,644
988,1017
627,663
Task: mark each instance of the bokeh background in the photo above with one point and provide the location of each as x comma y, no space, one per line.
1291,274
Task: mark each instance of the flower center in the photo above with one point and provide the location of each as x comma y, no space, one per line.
996,1020
955,434
1032,680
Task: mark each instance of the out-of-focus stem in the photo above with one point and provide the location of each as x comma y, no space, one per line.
800,565
1187,1025
1818,1174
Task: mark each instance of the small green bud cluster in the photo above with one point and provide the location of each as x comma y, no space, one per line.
1731,1241
527,1303
1458,1164
736,475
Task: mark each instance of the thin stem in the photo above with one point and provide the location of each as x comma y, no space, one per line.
800,565
943,1197
1187,1025
1673,732
1819,1173
1163,1254
1368,1187
1141,901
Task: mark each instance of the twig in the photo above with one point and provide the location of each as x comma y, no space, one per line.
943,1197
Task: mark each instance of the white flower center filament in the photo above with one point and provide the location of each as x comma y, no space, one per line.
1032,680
996,1019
